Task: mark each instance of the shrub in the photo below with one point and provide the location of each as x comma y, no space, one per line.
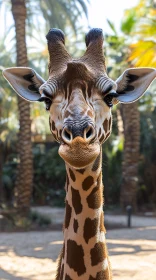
49,177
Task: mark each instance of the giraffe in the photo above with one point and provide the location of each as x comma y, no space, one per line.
79,95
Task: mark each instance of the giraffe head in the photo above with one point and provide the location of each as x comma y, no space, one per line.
79,95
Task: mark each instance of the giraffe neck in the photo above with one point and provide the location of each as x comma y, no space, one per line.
84,255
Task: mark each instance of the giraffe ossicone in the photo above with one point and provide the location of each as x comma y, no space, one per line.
79,96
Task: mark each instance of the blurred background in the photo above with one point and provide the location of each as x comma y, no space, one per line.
31,171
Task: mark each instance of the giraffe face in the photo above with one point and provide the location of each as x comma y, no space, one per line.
80,121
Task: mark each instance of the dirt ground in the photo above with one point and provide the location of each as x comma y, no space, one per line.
33,255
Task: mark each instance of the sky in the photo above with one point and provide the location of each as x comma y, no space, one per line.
101,10
98,12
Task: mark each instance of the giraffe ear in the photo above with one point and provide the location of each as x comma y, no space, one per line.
133,83
25,81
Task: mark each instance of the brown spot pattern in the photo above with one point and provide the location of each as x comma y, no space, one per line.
72,175
75,226
65,89
96,163
99,132
67,114
89,91
101,138
91,278
97,253
102,275
60,132
67,277
110,121
94,200
67,181
70,91
81,170
76,201
53,125
87,183
90,228
83,90
105,125
75,257
107,135
68,214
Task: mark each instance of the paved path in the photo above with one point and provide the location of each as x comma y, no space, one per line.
57,216
33,255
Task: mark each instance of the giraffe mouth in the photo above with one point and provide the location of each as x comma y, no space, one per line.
79,154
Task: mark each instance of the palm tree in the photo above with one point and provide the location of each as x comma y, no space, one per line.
139,23
24,180
129,185
130,117
57,13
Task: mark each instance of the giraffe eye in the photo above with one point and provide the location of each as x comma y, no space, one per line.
48,103
109,97
46,100
108,100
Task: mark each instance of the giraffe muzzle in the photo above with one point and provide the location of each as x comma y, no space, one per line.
79,153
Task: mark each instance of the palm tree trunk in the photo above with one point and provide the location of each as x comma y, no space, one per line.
23,184
131,118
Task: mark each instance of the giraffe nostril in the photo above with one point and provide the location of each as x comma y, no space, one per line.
89,133
67,135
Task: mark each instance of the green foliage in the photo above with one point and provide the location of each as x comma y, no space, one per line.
112,171
147,167
112,26
112,166
141,24
49,177
129,22
8,178
116,52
